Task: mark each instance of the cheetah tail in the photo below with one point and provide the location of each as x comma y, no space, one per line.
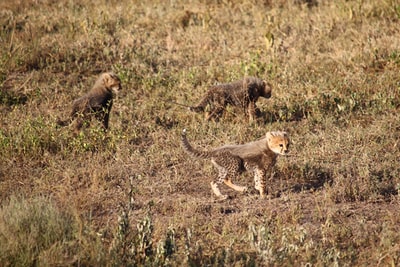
191,150
196,109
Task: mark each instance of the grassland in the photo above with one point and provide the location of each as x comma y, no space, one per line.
131,197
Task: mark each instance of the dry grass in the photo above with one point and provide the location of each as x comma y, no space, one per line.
133,198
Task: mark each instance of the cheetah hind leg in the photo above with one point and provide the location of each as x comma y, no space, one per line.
217,192
224,174
239,188
234,171
215,113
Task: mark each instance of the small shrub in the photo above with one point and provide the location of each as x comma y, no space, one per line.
30,228
135,247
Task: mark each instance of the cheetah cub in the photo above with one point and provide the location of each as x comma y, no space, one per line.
95,103
231,160
243,93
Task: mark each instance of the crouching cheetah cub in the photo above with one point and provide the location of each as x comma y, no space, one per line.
231,160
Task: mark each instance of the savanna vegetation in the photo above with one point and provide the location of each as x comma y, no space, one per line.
131,197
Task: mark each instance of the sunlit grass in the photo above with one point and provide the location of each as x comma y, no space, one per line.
131,197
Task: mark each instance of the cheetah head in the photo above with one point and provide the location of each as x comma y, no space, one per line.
278,142
111,82
266,89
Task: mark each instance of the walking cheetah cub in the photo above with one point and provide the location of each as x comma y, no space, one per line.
243,93
230,160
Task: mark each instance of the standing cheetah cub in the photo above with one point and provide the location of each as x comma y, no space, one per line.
231,160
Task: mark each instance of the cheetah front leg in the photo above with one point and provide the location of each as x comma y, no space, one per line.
259,181
251,110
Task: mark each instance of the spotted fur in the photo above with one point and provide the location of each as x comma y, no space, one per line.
243,93
231,160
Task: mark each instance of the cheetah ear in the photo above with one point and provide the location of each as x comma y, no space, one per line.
265,83
106,78
268,136
245,82
113,75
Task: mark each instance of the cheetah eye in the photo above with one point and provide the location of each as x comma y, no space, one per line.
281,145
